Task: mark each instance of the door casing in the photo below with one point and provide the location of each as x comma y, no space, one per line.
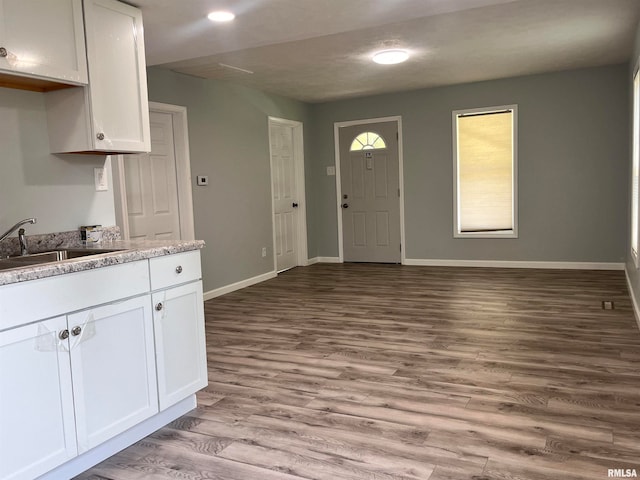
336,136
183,174
298,153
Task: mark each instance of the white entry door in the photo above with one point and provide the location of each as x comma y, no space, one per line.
370,181
285,195
151,185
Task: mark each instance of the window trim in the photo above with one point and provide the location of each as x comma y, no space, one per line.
635,165
514,178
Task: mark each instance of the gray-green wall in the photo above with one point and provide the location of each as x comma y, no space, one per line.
573,158
229,142
58,190
632,271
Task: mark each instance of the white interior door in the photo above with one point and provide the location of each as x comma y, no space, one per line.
285,196
370,182
152,187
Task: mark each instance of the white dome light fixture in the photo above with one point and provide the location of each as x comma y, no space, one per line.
221,16
391,57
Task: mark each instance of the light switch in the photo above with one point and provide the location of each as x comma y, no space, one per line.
331,171
202,180
101,179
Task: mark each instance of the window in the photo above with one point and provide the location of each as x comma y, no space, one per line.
635,160
485,172
367,141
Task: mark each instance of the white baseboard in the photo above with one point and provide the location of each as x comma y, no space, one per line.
514,264
636,310
325,260
312,261
238,285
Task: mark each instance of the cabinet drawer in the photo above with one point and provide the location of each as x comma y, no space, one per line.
25,302
175,269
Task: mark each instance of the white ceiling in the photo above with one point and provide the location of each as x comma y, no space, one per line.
320,50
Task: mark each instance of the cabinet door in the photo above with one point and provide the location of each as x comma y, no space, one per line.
114,376
44,39
181,355
117,77
37,430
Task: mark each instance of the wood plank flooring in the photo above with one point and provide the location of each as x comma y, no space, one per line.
387,372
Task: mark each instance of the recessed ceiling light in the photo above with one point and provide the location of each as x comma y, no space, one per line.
221,16
390,57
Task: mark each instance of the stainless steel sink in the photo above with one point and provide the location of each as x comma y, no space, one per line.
49,257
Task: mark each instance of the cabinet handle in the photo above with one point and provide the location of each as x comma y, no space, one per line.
3,52
75,331
64,334
179,269
100,136
159,306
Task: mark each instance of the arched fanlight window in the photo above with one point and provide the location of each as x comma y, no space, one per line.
367,141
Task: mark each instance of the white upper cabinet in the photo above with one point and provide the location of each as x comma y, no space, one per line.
42,40
111,115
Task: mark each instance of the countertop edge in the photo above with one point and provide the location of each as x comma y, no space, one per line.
128,251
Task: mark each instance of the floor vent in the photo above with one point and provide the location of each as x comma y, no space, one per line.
607,305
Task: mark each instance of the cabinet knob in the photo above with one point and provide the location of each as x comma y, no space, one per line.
3,52
179,269
64,334
75,331
159,306
100,136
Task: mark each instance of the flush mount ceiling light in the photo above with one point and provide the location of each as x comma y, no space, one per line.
391,57
221,16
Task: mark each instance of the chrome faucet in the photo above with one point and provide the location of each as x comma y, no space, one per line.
21,237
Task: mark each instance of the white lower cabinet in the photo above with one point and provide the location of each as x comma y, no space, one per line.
37,425
181,355
91,375
71,383
113,369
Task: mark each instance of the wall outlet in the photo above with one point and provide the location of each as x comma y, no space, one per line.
202,180
264,251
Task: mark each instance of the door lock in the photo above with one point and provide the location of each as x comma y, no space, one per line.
345,205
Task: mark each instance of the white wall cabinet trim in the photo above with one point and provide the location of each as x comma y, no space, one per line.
43,40
111,115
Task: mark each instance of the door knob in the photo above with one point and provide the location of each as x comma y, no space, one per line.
75,331
3,52
159,307
64,334
294,205
345,205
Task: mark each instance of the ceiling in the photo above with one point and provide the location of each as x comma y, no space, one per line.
320,50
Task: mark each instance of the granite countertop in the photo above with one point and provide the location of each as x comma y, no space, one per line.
125,251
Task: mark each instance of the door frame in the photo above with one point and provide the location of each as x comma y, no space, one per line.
183,173
336,136
298,158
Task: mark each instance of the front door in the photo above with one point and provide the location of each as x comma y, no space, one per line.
285,195
370,180
151,185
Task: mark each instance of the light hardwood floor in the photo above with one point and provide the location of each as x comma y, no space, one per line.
362,371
